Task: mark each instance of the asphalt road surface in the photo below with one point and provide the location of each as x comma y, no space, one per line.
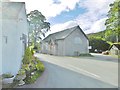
100,71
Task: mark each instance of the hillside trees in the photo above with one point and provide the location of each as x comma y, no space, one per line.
112,32
98,44
113,23
38,26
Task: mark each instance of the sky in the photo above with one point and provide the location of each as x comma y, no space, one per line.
90,15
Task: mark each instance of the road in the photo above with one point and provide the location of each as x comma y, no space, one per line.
99,71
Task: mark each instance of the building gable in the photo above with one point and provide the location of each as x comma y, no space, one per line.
80,31
115,46
63,34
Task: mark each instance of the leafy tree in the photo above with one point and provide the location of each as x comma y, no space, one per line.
27,56
113,22
98,43
100,34
38,25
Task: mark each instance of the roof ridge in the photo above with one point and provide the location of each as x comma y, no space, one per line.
64,29
61,34
116,44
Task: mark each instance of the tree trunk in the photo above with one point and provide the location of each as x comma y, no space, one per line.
35,36
35,39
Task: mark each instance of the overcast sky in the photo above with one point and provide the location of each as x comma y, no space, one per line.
90,15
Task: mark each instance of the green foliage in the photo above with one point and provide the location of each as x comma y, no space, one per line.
110,36
38,26
100,34
98,43
39,66
38,46
112,32
21,72
7,75
113,23
31,65
32,51
32,78
27,56
25,67
35,67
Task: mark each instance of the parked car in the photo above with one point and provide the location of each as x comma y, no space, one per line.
97,51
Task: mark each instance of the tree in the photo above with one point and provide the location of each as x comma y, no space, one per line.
38,25
98,44
113,22
27,56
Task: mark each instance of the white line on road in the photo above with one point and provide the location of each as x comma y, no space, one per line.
84,71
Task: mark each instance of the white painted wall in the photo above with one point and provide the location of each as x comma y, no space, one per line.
114,50
13,49
0,50
0,44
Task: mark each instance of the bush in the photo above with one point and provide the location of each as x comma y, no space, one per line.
32,66
37,68
32,51
32,78
26,67
7,75
27,56
21,72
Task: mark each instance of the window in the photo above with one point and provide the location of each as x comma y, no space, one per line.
77,40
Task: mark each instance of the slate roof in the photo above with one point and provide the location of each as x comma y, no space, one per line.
62,34
117,45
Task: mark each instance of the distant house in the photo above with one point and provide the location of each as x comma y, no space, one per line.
13,38
115,49
69,42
